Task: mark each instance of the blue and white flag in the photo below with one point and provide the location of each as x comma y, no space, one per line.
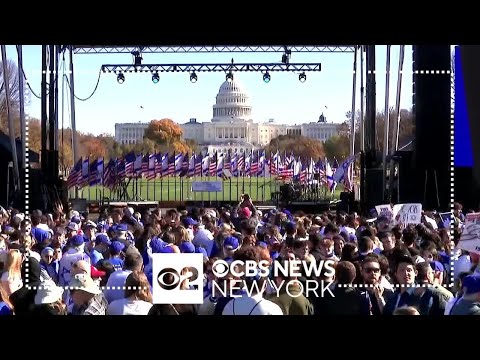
342,170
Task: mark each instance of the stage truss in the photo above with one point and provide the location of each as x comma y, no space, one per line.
151,49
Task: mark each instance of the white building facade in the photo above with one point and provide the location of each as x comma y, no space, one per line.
130,133
232,127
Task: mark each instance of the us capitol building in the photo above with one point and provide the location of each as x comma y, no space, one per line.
232,127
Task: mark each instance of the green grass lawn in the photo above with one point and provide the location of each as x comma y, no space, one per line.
177,189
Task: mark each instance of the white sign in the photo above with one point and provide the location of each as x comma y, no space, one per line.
384,210
208,186
407,213
470,239
177,278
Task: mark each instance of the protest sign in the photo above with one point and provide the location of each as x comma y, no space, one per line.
384,210
470,239
407,213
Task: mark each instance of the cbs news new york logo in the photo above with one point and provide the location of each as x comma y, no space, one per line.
177,278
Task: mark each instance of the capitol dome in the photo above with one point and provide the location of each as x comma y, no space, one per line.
232,103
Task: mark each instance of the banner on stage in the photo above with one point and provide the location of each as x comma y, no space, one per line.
470,239
207,186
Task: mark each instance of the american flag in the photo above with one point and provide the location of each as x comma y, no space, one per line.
254,165
121,173
145,160
129,163
198,165
93,175
171,166
241,163
75,176
287,170
109,174
212,169
151,167
227,164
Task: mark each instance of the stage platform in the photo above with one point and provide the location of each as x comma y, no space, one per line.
310,207
82,205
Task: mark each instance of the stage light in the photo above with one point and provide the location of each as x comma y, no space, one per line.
266,77
302,77
155,78
121,78
193,77
229,76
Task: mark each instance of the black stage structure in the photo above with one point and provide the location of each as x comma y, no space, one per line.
425,171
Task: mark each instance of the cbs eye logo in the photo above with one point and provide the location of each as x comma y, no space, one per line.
170,279
173,274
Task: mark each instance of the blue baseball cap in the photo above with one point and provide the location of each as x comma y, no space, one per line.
102,239
189,221
76,219
78,240
121,227
471,284
231,243
187,247
116,247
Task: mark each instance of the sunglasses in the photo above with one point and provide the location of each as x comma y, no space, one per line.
372,270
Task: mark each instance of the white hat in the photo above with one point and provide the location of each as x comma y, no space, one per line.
85,282
128,211
20,216
72,226
48,293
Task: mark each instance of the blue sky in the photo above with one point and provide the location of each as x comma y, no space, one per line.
284,99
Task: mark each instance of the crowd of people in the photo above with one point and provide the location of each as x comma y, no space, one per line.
67,263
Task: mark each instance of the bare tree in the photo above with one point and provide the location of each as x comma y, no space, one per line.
14,95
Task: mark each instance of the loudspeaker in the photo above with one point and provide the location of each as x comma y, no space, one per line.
467,126
404,190
374,185
346,202
431,106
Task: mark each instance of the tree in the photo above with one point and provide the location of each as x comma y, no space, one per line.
338,147
406,131
164,132
13,81
166,136
300,146
192,144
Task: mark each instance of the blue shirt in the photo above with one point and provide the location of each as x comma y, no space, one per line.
4,309
95,256
117,263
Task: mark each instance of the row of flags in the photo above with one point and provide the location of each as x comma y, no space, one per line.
92,172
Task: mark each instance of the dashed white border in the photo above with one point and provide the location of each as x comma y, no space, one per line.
393,285
27,167
452,170
408,72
